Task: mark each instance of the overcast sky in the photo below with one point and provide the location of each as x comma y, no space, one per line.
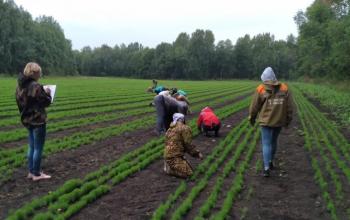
151,22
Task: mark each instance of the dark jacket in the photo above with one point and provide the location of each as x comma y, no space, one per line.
273,102
31,100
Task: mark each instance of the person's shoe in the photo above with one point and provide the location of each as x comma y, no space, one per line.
271,166
266,173
166,167
41,177
30,176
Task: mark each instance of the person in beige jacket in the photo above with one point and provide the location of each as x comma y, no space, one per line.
272,106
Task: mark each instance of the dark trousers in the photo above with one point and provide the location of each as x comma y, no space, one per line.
206,129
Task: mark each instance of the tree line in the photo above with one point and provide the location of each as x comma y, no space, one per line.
321,49
194,56
324,40
23,39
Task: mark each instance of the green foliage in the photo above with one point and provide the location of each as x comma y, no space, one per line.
258,166
323,43
24,39
193,57
76,194
328,150
337,101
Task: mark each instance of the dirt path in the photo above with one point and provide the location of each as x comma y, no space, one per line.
290,192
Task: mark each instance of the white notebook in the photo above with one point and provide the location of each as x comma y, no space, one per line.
52,89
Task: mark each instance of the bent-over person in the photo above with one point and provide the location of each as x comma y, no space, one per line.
178,141
166,107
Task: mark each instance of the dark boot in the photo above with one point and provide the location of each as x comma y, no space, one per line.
266,173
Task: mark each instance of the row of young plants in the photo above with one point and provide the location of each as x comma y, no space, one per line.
336,101
90,134
81,91
203,167
76,87
17,134
77,97
69,198
13,135
80,112
236,186
94,107
338,148
186,205
207,168
325,159
13,158
87,102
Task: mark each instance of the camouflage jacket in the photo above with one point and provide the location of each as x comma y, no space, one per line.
31,100
178,141
272,104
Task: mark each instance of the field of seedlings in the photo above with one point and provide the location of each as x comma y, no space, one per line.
106,159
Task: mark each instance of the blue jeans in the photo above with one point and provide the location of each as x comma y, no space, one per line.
269,136
36,144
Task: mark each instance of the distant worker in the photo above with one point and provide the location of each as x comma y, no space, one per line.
272,104
178,141
32,100
207,122
156,88
166,106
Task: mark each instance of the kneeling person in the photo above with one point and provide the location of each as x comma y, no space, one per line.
178,141
208,121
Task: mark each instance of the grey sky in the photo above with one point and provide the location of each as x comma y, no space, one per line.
151,22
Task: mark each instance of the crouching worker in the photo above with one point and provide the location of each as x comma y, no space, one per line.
178,141
208,122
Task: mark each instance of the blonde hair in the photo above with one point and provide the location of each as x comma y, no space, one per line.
32,70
